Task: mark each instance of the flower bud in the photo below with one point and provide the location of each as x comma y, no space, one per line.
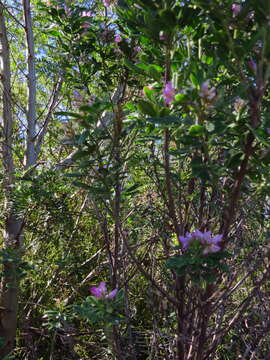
236,9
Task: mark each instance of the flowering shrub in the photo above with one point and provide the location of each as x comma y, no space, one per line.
201,257
197,153
102,308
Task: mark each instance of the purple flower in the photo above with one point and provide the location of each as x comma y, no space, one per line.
209,243
101,291
112,294
268,131
86,14
236,9
168,93
216,239
203,237
137,49
106,3
117,39
185,240
206,92
211,248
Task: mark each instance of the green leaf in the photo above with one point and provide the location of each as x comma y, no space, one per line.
180,97
54,33
96,107
196,130
132,189
68,114
194,80
72,175
258,135
154,73
235,160
82,138
79,155
81,185
133,67
148,92
146,108
164,120
168,19
199,169
207,59
178,262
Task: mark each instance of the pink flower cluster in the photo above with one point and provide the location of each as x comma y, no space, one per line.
168,93
208,242
100,292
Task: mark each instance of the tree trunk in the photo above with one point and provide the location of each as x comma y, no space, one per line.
13,225
30,154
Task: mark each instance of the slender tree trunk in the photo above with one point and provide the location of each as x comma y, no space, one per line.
13,225
30,154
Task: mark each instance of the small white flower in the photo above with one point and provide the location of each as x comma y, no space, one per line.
239,104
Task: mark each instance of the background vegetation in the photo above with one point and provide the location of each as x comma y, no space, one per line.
135,141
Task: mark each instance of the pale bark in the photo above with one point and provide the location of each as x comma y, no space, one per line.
31,153
52,105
